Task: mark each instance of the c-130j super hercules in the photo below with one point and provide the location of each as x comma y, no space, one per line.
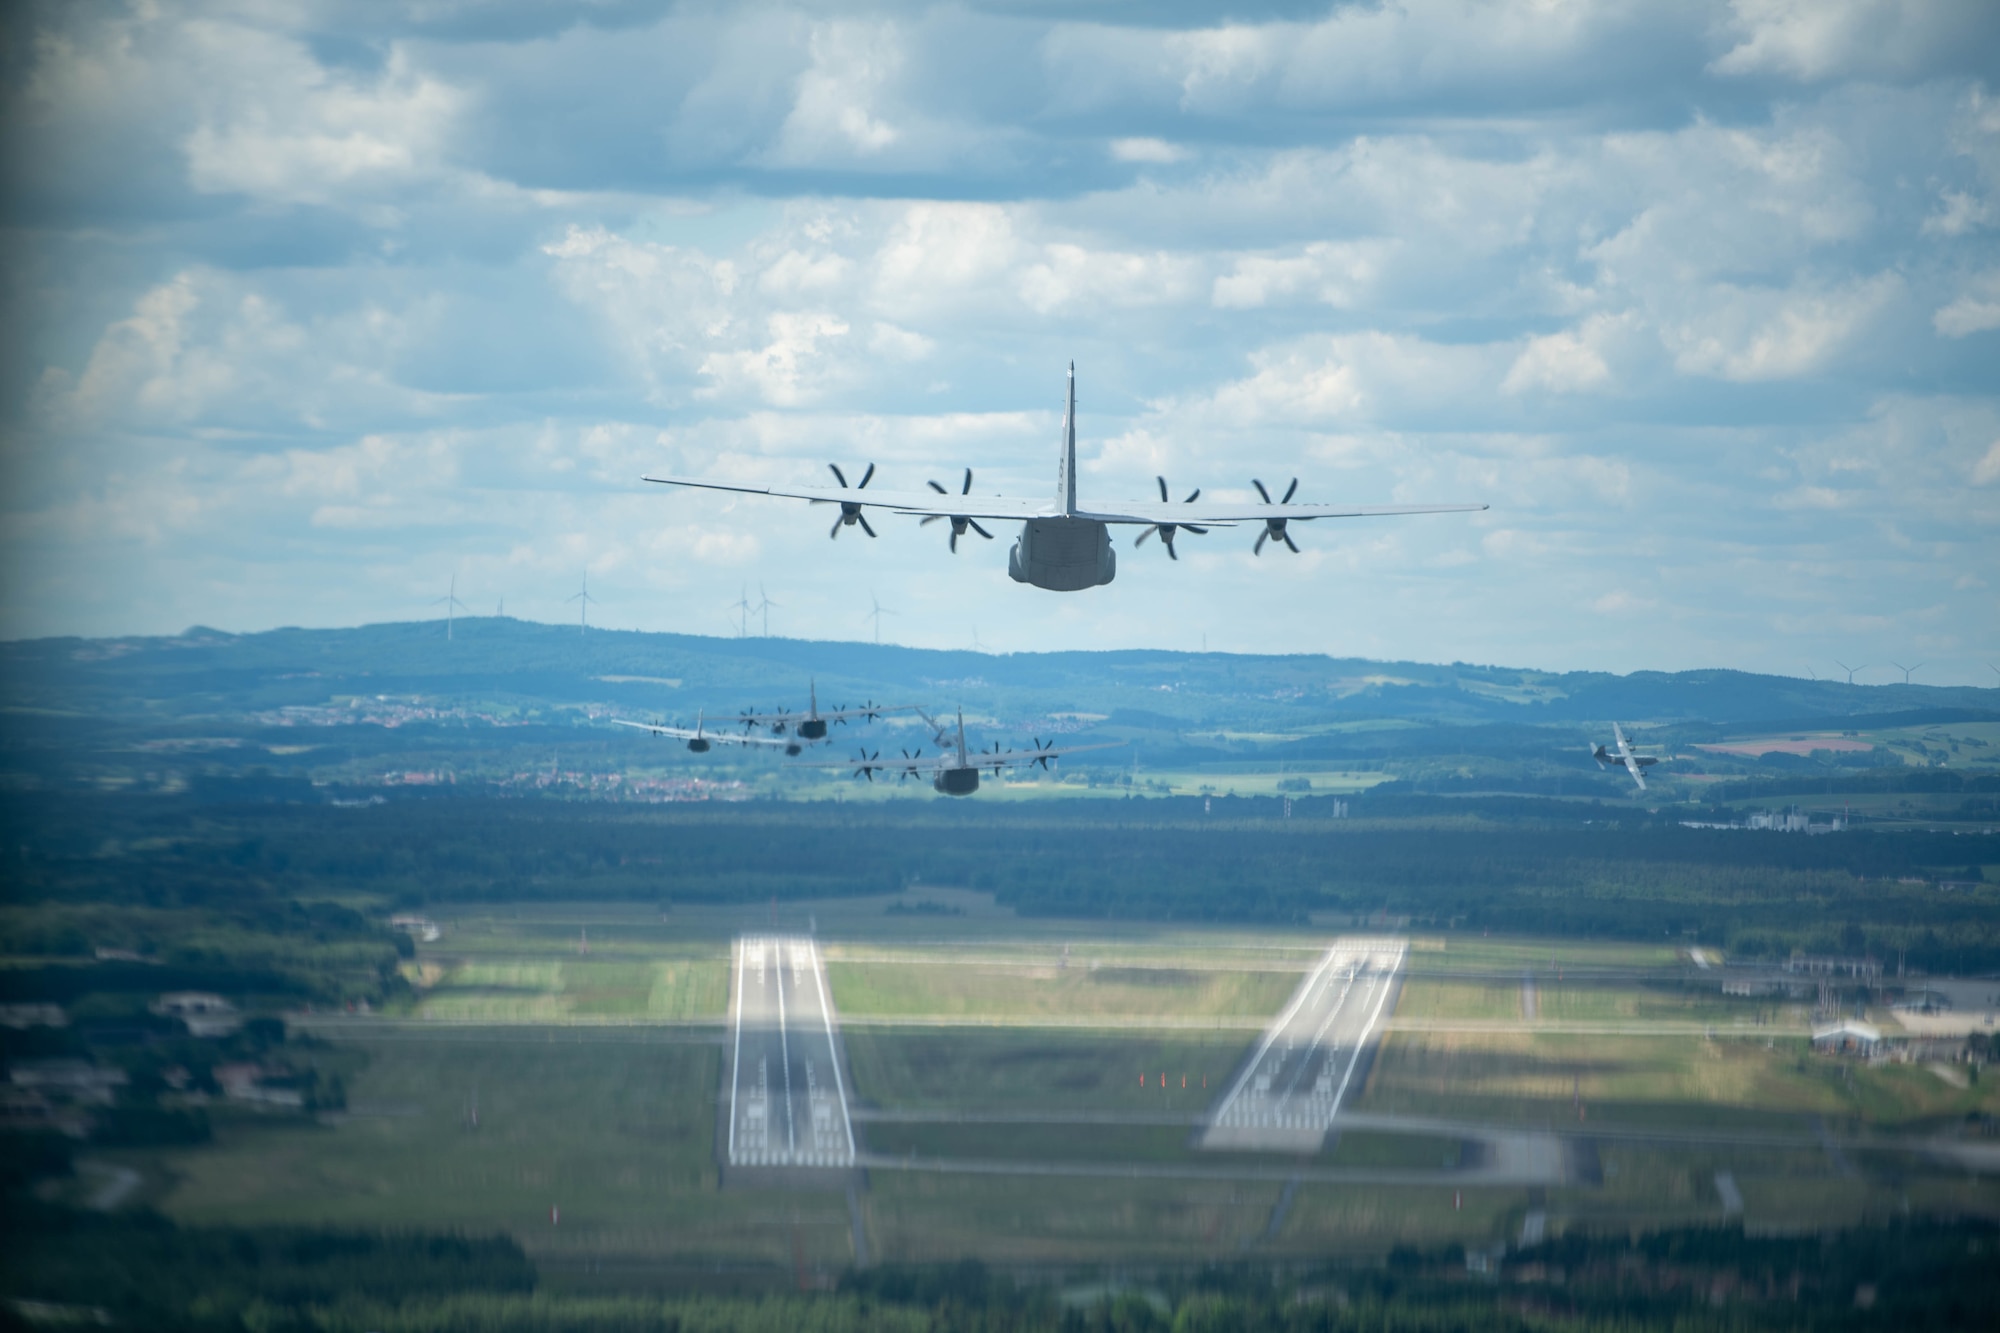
1063,547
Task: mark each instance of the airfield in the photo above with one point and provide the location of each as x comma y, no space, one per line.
756,1096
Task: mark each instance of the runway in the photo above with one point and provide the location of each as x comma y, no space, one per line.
1288,1093
787,1094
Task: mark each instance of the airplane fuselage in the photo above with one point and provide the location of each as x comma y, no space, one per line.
956,781
698,744
1063,554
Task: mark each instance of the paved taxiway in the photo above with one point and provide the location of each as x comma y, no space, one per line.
787,1096
1287,1095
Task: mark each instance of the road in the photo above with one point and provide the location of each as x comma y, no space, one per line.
1287,1094
787,1094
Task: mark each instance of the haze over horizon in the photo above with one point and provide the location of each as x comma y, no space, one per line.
314,309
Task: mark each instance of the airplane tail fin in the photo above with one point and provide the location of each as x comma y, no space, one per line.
962,758
1066,466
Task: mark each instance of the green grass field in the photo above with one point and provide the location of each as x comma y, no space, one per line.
924,1069
1532,1078
929,988
680,990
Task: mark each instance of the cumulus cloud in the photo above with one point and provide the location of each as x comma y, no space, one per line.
838,113
279,127
1746,334
1818,39
1975,312
1146,150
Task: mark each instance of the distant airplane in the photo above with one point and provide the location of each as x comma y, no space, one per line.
1635,764
956,771
811,724
1062,547
699,740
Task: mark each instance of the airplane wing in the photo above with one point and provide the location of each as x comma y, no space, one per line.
831,715
925,503
923,765
1223,515
713,737
1638,775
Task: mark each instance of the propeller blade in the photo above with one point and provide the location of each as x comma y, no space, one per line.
1163,488
1260,490
1193,495
967,488
1290,490
835,530
1167,540
1289,542
953,543
862,519
930,519
869,475
1189,527
941,491
1262,537
1144,533
838,475
981,531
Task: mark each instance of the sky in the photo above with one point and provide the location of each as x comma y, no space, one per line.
315,312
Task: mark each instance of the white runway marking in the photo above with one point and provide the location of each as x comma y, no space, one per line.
784,1017
1291,1089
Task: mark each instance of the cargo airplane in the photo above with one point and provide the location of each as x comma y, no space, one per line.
1064,546
955,772
811,725
700,740
1635,764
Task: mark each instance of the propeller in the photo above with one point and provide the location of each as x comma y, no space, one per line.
958,523
1274,528
850,512
993,758
1042,747
1167,530
866,765
910,770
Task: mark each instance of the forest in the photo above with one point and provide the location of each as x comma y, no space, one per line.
258,897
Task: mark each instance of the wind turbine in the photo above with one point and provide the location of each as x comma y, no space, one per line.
742,608
1849,670
764,605
876,615
1908,671
451,604
584,599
